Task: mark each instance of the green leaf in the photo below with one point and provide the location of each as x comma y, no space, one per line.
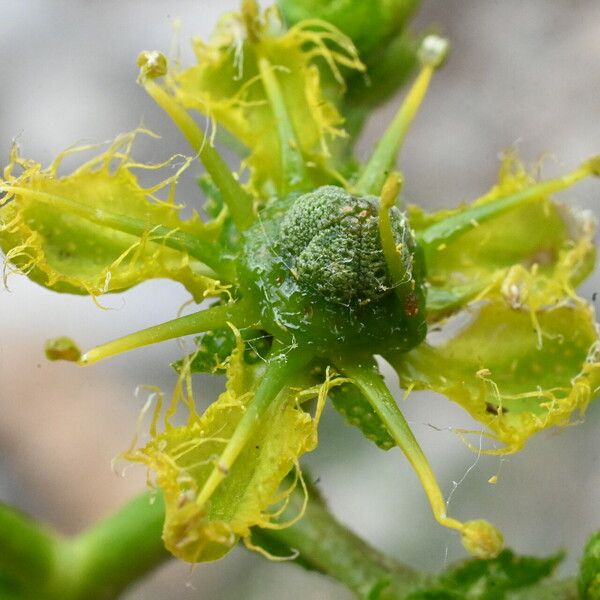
214,348
489,579
356,409
589,574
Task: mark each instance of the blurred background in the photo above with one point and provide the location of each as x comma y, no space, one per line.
520,73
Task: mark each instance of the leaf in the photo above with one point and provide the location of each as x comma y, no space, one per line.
517,370
227,86
489,579
355,408
48,229
214,348
589,573
250,495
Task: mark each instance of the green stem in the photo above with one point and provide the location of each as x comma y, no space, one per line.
103,561
237,200
96,565
240,314
292,162
328,546
206,252
26,552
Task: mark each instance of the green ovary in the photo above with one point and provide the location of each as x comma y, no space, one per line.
319,274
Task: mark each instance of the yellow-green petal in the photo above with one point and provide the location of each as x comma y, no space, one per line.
229,88
182,459
516,370
539,235
49,229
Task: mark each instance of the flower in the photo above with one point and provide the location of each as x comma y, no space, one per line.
518,350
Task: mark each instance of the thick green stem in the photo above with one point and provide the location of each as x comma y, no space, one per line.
328,546
237,200
103,561
97,565
240,314
27,552
106,559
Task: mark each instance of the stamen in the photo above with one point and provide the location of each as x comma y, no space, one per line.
279,370
240,314
292,162
450,228
237,200
479,537
431,54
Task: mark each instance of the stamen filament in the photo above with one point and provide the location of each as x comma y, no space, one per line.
479,537
365,376
240,314
393,258
432,53
237,200
292,161
452,227
279,370
206,252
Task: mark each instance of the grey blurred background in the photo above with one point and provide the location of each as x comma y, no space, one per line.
524,73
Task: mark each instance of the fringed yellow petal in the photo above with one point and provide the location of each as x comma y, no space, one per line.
251,493
542,237
49,229
523,355
227,86
516,369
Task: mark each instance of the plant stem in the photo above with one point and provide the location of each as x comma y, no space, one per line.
240,314
119,550
26,551
328,546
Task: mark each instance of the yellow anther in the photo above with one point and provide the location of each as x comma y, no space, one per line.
152,64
